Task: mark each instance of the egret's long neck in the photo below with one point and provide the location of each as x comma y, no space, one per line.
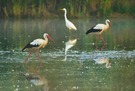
107,64
65,15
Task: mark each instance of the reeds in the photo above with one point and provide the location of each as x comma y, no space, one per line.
79,8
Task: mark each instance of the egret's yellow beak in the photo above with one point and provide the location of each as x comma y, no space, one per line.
62,9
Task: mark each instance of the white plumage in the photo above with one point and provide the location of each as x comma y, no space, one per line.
99,26
69,24
37,42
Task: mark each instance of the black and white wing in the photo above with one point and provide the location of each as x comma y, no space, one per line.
97,28
34,43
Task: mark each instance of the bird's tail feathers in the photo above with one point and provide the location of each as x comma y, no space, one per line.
89,31
27,46
24,49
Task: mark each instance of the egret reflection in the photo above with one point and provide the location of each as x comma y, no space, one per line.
103,60
69,44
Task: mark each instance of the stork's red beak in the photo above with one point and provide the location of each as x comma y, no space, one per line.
50,38
109,24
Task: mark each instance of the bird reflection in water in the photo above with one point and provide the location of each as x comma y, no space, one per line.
103,60
100,48
34,77
69,44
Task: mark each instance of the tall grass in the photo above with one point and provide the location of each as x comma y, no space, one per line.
79,8
104,8
17,9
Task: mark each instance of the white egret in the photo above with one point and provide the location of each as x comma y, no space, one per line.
69,24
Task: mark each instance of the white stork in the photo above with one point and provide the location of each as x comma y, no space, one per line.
38,44
99,29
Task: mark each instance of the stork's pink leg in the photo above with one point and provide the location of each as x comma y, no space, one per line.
103,42
96,37
29,55
39,57
102,47
102,39
96,41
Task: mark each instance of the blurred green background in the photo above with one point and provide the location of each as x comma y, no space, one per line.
76,8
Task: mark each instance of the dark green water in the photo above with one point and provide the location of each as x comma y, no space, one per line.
79,72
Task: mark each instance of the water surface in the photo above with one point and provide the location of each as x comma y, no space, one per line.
79,72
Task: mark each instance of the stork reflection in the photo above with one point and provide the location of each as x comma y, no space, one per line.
34,76
103,60
100,48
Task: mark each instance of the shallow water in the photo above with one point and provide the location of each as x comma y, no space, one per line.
79,72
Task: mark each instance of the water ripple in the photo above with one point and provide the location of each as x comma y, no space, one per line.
10,56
